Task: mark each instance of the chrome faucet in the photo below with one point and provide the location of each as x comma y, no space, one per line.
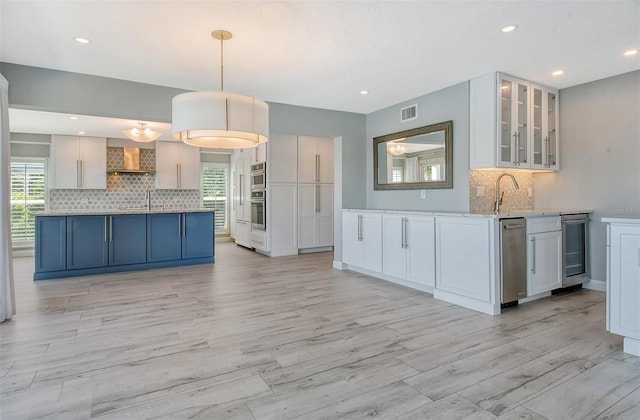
498,195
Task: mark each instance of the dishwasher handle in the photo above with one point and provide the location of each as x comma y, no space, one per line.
510,227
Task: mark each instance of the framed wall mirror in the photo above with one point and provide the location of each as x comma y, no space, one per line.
416,159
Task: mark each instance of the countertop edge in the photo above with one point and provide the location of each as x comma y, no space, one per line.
507,215
119,211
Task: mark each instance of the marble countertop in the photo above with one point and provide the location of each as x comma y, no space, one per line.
507,214
633,219
121,211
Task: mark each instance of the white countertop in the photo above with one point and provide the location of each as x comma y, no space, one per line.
121,211
633,219
508,214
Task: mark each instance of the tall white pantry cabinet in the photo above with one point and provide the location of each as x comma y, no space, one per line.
299,194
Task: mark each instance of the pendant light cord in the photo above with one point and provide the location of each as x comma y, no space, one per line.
222,64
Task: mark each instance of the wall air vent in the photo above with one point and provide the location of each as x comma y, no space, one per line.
409,113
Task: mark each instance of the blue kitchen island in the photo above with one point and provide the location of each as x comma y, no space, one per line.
79,243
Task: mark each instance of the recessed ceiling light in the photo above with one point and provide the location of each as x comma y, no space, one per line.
558,72
364,92
82,40
509,28
73,118
81,132
631,52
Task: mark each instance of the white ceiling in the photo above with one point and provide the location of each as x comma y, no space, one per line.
323,53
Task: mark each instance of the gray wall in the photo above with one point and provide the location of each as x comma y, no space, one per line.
57,91
599,156
451,103
29,145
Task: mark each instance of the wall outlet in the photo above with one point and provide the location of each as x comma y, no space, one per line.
480,191
530,191
423,193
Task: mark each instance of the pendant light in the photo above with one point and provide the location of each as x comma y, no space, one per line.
396,149
142,134
220,119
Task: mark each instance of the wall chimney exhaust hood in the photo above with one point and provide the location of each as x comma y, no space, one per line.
131,159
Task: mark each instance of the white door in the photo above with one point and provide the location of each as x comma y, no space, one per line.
324,215
189,170
281,213
93,162
307,159
624,290
421,253
65,162
545,262
352,246
167,156
324,150
393,249
371,236
282,150
307,215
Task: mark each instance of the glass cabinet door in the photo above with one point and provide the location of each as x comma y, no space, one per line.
506,120
522,107
537,139
544,112
552,140
513,120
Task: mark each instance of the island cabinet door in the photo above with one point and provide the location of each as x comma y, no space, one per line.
87,242
127,239
197,235
164,237
51,243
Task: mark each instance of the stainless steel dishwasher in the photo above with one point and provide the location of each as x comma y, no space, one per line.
513,257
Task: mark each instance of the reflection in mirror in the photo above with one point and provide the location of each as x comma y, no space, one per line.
420,158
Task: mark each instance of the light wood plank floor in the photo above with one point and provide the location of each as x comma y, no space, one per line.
252,337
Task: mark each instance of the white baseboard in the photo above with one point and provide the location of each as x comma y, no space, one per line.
339,265
594,284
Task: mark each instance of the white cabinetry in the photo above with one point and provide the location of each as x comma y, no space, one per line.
241,190
544,128
177,166
315,215
502,135
466,262
544,255
282,231
623,282
282,156
78,162
315,192
362,240
315,160
409,248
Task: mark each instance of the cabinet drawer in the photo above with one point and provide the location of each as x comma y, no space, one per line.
543,224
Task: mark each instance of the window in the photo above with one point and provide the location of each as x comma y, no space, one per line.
28,192
215,181
396,174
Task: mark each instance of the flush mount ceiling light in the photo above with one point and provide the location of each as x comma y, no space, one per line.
220,120
142,134
396,149
509,28
558,73
631,52
82,40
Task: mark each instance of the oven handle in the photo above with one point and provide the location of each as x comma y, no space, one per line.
575,221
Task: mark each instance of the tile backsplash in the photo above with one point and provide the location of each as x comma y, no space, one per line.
124,190
513,199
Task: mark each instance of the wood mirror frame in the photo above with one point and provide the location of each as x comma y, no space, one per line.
434,143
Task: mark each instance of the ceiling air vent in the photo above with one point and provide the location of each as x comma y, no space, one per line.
409,113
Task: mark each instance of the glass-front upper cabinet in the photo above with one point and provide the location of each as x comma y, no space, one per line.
514,122
544,130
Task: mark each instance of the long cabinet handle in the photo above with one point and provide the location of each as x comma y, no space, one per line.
406,236
533,255
184,224
317,167
317,198
105,228
402,232
179,225
359,227
110,228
